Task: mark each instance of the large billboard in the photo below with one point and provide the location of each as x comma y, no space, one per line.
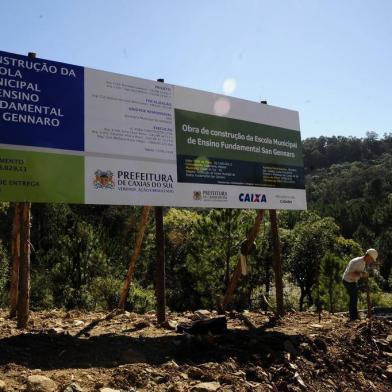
77,135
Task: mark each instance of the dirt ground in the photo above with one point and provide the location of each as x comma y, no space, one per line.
256,353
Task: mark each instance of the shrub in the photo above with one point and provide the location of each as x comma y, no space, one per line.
141,300
41,293
105,291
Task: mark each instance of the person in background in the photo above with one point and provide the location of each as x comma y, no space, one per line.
354,271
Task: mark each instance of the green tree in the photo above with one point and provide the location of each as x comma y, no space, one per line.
310,240
180,282
255,286
331,289
216,244
202,250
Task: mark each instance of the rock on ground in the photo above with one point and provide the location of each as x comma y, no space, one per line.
74,387
206,387
37,383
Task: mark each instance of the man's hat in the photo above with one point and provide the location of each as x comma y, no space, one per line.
372,253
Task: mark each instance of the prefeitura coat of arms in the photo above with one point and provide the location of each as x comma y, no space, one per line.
103,179
197,195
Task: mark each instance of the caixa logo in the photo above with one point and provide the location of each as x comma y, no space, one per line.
253,197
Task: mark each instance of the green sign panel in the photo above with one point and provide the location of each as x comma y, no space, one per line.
222,150
39,176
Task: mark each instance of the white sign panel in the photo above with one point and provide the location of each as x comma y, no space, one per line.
77,135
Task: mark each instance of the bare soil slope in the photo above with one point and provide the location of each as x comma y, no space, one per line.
131,353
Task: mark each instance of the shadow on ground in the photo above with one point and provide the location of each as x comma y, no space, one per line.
59,351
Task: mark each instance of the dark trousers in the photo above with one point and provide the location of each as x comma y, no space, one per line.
352,290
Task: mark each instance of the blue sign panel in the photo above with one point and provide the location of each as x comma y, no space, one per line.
41,103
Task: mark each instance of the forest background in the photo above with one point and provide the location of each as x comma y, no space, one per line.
80,253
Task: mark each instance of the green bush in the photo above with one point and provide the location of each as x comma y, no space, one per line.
376,294
141,300
383,300
105,291
41,293
290,297
78,298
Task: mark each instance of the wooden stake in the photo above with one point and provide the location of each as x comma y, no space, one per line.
134,257
24,268
277,263
368,300
160,289
15,257
238,271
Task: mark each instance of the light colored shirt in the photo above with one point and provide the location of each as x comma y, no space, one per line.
358,264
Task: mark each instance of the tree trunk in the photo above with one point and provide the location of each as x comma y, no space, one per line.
24,268
331,300
267,278
15,256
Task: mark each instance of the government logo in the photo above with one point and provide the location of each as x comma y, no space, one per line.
197,195
103,180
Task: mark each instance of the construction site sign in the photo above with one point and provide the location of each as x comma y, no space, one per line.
77,135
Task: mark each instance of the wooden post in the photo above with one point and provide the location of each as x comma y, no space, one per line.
160,288
134,257
23,295
160,278
15,256
24,268
238,271
277,263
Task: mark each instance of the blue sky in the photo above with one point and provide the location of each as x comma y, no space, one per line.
330,60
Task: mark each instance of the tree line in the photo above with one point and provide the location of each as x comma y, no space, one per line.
322,152
80,252
357,193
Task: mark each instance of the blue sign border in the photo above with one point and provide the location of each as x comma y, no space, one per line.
56,118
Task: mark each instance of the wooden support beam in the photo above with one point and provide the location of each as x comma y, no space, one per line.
160,277
24,268
135,255
15,257
23,293
160,288
277,263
